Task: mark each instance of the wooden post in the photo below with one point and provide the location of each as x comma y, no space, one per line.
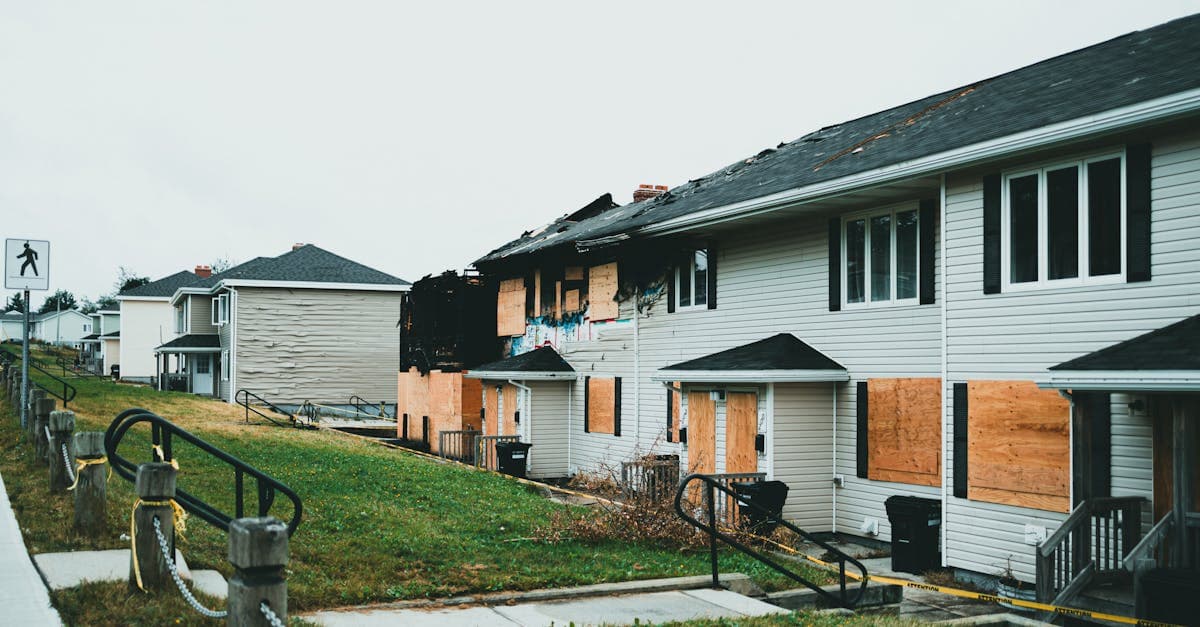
155,486
62,423
91,489
34,396
258,550
41,422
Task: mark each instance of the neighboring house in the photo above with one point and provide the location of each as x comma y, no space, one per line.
62,327
874,310
307,325
102,347
10,326
148,321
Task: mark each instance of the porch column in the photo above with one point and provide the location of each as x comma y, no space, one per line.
1184,415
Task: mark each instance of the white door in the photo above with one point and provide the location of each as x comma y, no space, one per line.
202,374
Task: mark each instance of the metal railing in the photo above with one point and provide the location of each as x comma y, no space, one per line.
654,478
1093,542
458,445
243,398
485,449
359,403
709,486
162,437
76,368
68,391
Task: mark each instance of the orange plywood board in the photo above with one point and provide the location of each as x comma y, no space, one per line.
1019,445
602,405
472,401
510,308
602,291
413,400
904,430
571,301
702,438
741,425
491,407
510,410
676,411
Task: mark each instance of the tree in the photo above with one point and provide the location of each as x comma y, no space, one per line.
86,306
16,303
61,300
128,279
107,301
222,264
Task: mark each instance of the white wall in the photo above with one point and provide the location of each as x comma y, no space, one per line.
145,325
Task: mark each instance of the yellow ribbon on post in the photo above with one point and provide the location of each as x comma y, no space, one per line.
80,464
180,521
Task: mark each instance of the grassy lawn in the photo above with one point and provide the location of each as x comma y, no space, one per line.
379,524
801,619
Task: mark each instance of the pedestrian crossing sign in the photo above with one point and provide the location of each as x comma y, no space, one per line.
26,264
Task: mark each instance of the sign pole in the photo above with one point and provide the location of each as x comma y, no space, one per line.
25,366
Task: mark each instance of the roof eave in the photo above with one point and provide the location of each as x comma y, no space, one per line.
144,298
493,375
752,376
320,285
1122,380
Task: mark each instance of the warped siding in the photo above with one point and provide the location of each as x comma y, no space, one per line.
320,345
548,428
225,383
1018,335
200,311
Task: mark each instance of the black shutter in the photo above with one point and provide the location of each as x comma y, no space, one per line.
587,391
670,416
617,407
861,438
835,264
712,275
960,440
1137,213
671,271
991,234
928,218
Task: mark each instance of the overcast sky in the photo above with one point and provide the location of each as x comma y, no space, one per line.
158,136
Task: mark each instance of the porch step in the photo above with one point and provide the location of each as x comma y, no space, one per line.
1110,598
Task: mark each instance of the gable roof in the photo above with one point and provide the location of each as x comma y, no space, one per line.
1131,69
541,363
164,287
782,357
1166,359
306,264
192,343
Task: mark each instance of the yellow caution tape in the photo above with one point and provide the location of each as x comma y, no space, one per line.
81,463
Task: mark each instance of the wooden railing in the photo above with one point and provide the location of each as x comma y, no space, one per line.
1161,546
485,449
655,478
458,445
1092,542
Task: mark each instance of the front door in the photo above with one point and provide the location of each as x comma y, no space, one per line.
741,427
1165,433
202,374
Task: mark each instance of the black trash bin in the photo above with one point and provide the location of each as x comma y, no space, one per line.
115,371
511,457
916,533
1169,595
769,495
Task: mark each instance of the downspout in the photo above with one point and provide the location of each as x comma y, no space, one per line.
835,468
233,344
570,422
946,435
528,404
637,379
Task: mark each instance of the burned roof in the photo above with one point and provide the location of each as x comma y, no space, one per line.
1133,68
164,287
544,359
1173,347
778,352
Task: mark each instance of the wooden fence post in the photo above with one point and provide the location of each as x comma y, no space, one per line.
155,486
258,550
91,486
62,423
35,395
41,422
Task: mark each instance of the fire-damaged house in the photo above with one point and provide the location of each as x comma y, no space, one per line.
917,302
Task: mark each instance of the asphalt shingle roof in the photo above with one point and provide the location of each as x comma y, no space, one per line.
1133,68
307,263
194,341
164,287
544,359
1173,347
778,352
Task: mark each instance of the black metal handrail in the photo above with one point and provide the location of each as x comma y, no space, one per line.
68,391
69,365
161,433
243,397
359,402
715,534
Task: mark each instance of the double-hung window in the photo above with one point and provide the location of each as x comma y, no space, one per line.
1064,224
224,365
220,310
692,281
216,311
181,317
881,257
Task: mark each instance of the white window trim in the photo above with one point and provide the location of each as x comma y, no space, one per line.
1044,282
225,365
186,327
678,278
215,314
868,301
220,314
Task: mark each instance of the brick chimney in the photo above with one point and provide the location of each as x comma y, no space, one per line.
203,271
646,192
298,245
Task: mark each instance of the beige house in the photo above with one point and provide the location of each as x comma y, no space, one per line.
147,320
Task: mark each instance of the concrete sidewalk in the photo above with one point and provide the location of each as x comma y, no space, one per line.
647,608
23,595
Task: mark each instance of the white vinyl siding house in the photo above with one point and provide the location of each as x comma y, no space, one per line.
145,324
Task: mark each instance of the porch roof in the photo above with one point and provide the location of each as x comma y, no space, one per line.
781,358
541,364
1163,360
192,343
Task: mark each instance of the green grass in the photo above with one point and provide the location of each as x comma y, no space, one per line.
798,619
379,524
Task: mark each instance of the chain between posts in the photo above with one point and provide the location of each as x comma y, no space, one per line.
270,615
67,464
187,594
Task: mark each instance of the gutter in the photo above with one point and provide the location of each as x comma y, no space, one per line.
1156,110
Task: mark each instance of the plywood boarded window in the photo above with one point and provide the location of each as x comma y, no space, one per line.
510,308
674,401
1019,445
904,435
602,411
602,291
